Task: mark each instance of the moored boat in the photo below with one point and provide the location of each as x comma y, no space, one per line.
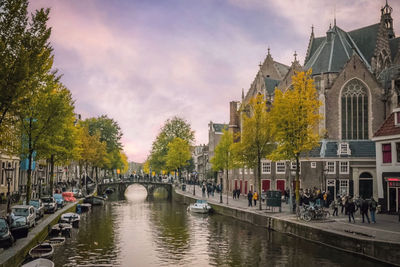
201,206
85,207
71,218
39,263
94,200
56,241
61,228
43,250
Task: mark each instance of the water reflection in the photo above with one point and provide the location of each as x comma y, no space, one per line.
139,232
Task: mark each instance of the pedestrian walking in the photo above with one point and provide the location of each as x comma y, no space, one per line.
234,194
238,193
250,198
372,209
364,209
351,209
255,197
203,190
335,208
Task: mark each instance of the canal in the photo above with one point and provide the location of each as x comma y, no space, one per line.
139,232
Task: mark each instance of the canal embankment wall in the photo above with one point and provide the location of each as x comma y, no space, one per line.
15,255
388,252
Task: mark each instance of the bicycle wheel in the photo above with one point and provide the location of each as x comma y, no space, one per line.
307,217
327,214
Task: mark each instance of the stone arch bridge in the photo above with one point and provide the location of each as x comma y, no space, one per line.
120,187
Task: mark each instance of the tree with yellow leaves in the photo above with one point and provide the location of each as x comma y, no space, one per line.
223,158
294,117
256,138
178,155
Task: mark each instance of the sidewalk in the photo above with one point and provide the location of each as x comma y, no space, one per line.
386,229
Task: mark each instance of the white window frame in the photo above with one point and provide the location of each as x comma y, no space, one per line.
293,166
344,164
245,169
280,164
251,171
313,164
330,169
267,165
240,171
344,187
344,149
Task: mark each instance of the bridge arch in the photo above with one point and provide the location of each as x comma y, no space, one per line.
121,187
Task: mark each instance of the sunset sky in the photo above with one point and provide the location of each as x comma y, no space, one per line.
144,61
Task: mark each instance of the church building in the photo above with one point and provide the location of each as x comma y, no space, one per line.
357,76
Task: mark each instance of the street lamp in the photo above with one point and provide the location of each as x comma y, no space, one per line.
9,170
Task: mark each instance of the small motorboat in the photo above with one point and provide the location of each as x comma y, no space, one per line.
56,241
39,263
63,229
43,250
95,200
201,206
71,218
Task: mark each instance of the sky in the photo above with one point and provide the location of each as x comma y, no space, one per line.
141,62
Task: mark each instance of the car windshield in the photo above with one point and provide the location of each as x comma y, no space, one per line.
20,211
47,200
34,203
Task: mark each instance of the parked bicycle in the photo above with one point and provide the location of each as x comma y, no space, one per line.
313,212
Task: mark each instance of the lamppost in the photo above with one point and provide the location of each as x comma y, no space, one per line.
9,170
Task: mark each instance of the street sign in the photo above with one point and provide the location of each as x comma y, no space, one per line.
274,198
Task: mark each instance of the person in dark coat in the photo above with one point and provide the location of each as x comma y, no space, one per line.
364,209
351,209
372,208
250,198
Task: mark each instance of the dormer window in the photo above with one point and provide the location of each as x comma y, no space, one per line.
397,118
344,149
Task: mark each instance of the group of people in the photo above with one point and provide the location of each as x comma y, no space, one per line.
350,206
252,197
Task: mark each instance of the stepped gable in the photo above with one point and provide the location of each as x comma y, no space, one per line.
388,127
334,51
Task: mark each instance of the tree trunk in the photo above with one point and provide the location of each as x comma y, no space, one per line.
259,181
297,185
29,175
227,187
97,176
51,181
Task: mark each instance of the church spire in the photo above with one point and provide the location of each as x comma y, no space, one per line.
386,18
242,95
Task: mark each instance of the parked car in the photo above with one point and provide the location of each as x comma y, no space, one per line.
6,238
59,199
50,204
23,217
39,207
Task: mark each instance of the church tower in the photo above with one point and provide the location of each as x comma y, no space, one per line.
386,17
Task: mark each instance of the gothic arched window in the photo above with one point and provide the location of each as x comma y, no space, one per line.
354,111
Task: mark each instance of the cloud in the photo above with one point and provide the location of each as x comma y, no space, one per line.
142,62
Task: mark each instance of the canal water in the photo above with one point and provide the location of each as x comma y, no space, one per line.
158,232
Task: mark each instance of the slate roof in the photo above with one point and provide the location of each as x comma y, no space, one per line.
219,126
365,38
329,148
270,85
281,68
388,128
331,54
394,44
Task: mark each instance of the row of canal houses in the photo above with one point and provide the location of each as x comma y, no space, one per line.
357,76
